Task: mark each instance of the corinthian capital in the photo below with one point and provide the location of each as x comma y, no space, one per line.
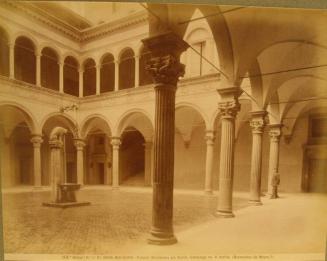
165,69
229,109
164,65
275,132
257,122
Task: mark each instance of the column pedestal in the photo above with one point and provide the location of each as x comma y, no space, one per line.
210,139
228,106
165,68
115,142
257,124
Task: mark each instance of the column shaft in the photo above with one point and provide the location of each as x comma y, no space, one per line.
137,71
61,77
116,75
274,133
165,68
12,61
148,163
37,140
81,83
228,107
98,79
209,161
257,125
115,142
79,144
38,69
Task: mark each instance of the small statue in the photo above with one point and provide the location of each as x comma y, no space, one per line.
275,182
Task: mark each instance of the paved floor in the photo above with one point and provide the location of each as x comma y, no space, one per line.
115,219
117,222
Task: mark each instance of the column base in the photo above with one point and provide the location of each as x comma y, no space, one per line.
115,187
37,188
255,202
161,239
224,214
273,196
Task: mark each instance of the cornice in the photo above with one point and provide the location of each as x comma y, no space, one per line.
44,18
80,36
114,26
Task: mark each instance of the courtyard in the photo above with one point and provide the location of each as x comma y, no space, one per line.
118,222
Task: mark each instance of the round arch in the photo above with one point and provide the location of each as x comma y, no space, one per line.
137,118
67,120
28,117
95,121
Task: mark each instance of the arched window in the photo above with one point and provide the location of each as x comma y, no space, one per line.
126,69
107,73
89,78
145,77
71,75
49,69
25,60
4,53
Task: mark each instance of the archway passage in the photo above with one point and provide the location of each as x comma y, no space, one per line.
25,60
4,56
107,74
126,70
49,69
21,156
132,158
71,76
89,78
98,159
16,151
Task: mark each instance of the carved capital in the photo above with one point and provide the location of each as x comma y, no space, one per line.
229,109
257,122
165,69
275,131
79,144
148,145
36,140
164,64
56,144
115,142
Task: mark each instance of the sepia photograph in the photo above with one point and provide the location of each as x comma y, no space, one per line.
162,131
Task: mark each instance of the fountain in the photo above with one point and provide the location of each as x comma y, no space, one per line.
62,193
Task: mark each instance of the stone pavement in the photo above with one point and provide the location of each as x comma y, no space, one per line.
118,222
115,221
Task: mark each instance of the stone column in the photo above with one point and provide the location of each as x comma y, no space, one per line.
257,124
37,140
228,106
80,144
165,68
115,142
148,163
137,71
12,60
98,79
80,83
210,140
38,67
56,167
61,76
116,75
275,134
